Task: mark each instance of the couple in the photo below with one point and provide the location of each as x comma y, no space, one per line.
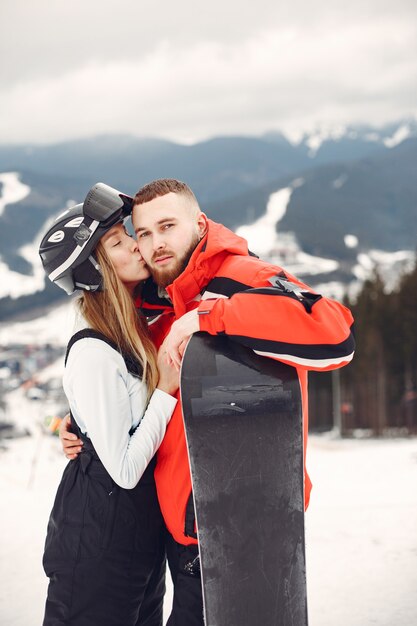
104,552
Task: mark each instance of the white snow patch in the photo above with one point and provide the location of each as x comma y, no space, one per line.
15,284
351,241
261,235
365,261
12,190
319,136
390,265
285,250
309,265
294,135
314,142
55,328
332,289
400,134
297,182
381,257
339,182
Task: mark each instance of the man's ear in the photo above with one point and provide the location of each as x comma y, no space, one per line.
202,224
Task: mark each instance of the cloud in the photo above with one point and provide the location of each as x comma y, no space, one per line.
288,76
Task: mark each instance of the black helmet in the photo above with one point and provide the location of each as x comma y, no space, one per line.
67,248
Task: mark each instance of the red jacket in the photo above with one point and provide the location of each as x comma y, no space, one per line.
262,307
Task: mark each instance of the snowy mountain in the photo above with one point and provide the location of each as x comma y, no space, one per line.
342,200
335,278
334,224
12,282
327,143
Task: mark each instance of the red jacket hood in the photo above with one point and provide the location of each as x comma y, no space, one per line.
205,261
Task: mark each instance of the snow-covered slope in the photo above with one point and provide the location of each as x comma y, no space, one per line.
12,189
54,327
16,284
361,543
12,283
282,248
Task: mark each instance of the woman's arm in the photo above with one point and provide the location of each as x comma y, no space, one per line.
102,396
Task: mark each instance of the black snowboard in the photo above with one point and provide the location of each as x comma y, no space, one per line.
242,415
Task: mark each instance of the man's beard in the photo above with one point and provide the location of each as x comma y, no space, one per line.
164,277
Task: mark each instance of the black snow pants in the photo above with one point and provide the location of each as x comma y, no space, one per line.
184,564
104,551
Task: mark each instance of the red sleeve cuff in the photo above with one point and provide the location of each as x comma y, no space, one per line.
210,321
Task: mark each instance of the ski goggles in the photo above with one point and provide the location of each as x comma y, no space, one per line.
106,205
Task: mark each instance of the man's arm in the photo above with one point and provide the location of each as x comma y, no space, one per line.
280,318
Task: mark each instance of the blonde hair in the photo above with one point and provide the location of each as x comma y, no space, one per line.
112,312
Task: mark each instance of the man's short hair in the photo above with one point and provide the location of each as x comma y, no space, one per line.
161,187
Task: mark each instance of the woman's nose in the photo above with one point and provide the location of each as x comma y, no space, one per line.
135,248
134,245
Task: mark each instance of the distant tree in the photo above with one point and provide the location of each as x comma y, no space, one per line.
406,312
382,380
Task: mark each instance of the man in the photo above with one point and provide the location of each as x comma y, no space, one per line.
216,286
209,281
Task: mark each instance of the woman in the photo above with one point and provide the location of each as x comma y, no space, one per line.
104,551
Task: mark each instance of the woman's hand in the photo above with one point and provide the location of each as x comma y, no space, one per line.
181,331
71,445
168,374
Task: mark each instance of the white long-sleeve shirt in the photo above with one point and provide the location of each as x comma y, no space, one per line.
107,401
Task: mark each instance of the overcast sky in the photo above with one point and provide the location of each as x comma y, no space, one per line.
188,70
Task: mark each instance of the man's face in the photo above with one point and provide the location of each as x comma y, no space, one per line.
168,232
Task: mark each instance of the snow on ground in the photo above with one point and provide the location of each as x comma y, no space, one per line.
282,248
340,181
307,264
55,327
361,532
351,241
360,527
332,289
322,134
402,133
12,189
390,265
15,284
262,235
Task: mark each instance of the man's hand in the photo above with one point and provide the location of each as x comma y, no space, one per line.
71,445
176,340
